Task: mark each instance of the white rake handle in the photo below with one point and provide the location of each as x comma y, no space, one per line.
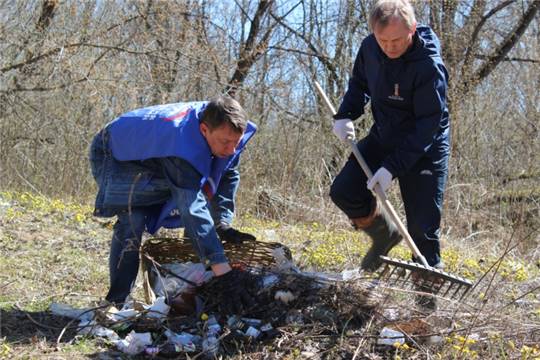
378,190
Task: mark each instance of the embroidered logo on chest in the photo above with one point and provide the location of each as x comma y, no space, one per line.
395,95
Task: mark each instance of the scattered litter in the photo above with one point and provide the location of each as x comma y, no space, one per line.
390,314
119,315
94,329
252,332
269,281
283,263
252,322
165,350
284,296
185,341
527,303
390,337
185,316
174,281
294,317
70,312
210,344
159,309
134,343
347,275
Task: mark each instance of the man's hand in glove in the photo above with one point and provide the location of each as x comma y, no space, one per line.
233,292
229,234
344,129
382,177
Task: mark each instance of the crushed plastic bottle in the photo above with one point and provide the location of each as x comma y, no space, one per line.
252,332
166,350
389,337
210,343
183,339
252,322
268,281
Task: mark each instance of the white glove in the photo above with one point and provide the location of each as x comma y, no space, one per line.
383,177
344,129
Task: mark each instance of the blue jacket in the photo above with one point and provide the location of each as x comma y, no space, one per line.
171,130
156,134
408,100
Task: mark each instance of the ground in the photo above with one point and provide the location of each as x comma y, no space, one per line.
55,251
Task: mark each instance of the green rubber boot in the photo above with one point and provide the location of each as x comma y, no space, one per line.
384,236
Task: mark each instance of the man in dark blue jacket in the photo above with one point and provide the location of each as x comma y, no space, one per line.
400,71
173,165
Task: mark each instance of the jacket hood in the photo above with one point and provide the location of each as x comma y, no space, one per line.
426,44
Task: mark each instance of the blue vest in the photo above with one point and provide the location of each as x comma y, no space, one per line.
171,130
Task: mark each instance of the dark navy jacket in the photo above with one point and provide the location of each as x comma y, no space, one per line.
408,100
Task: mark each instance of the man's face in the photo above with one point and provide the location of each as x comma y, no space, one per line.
222,140
395,38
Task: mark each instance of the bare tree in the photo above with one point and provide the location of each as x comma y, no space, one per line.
254,46
69,67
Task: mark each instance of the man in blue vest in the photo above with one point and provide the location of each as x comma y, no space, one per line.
400,71
173,165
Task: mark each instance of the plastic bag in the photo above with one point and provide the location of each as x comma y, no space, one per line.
180,294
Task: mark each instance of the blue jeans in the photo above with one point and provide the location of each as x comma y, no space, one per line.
124,254
136,191
422,189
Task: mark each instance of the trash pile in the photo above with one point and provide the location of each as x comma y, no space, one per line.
183,317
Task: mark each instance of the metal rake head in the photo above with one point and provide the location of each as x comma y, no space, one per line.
405,274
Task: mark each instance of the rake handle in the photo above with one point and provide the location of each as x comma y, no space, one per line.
379,193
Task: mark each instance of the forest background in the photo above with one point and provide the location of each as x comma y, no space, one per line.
69,67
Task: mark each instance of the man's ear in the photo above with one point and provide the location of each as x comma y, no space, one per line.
204,129
413,28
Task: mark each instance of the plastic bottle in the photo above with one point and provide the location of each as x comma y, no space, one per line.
165,350
389,337
252,332
210,344
184,340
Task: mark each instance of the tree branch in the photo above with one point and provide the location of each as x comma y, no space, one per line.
507,58
323,58
504,48
251,51
478,27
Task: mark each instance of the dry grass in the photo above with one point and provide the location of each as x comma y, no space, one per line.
52,251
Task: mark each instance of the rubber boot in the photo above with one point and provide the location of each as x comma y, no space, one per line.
383,233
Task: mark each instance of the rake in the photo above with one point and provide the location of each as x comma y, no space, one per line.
403,273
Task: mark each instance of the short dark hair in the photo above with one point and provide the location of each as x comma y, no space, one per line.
224,110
